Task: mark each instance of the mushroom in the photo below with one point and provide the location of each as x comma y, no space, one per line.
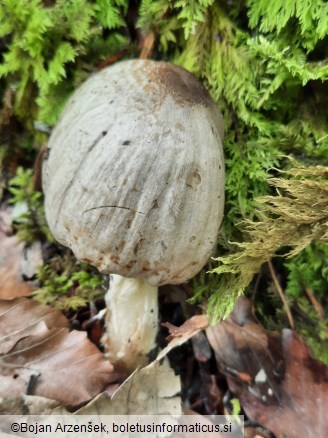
134,185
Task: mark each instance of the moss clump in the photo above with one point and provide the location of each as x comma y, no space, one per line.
293,219
67,284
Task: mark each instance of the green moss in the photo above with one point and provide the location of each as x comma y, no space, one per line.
30,222
293,219
46,45
67,284
308,269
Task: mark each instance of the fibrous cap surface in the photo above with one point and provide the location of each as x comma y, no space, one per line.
134,179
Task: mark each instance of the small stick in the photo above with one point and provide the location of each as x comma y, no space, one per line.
112,59
281,294
146,45
315,303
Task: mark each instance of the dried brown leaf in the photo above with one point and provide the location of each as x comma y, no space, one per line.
11,253
11,284
152,390
279,384
40,356
180,335
21,318
188,329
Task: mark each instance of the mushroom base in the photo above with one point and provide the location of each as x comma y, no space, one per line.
131,322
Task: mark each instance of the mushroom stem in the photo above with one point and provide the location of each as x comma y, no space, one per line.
131,322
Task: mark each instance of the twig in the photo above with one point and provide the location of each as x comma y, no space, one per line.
315,303
281,294
146,44
112,59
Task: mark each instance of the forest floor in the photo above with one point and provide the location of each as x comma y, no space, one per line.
235,367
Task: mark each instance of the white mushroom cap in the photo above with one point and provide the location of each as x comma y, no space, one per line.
134,180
